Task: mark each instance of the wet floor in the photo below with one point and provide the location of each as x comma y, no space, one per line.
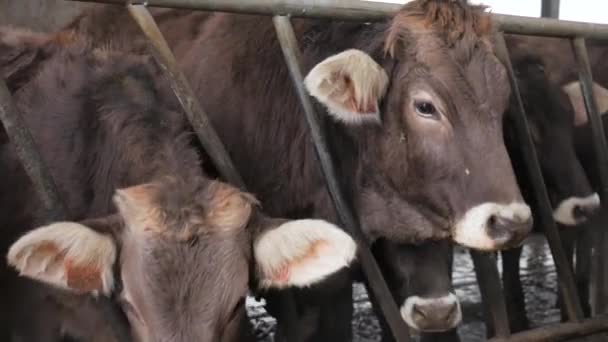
538,277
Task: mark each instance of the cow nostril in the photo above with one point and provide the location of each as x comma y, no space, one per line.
582,212
578,212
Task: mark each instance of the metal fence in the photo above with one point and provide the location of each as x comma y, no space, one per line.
282,11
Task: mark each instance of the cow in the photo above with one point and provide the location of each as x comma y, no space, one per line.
412,108
98,91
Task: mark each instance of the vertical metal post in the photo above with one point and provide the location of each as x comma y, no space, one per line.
28,154
601,153
564,271
376,284
492,296
550,9
195,113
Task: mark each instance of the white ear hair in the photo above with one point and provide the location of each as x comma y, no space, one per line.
67,255
350,84
301,253
574,92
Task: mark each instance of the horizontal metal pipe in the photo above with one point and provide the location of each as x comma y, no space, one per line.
370,11
194,112
28,154
560,332
375,281
564,271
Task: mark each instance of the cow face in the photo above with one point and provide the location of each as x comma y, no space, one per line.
427,118
551,123
420,281
185,256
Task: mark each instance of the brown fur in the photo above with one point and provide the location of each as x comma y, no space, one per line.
405,180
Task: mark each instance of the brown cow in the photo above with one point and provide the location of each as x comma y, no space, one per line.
414,121
102,122
419,150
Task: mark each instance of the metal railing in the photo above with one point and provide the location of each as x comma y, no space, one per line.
357,10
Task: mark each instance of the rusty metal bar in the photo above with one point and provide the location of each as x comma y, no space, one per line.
376,284
560,332
492,296
562,266
601,153
371,11
549,9
28,154
195,113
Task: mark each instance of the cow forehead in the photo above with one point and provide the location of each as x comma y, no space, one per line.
171,281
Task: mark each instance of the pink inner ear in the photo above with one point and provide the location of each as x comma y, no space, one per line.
281,275
80,277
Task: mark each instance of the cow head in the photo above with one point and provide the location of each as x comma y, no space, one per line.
551,123
420,281
184,257
425,107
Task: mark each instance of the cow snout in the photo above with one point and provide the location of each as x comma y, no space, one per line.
494,226
576,210
432,314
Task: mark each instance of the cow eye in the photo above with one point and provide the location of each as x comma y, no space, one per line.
426,109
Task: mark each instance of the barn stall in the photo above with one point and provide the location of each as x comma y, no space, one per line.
49,15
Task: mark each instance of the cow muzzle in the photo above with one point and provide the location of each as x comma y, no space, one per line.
494,226
432,314
576,210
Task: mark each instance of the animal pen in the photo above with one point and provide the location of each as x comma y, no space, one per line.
356,10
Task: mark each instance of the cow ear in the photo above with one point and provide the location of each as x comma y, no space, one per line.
136,206
575,95
301,253
350,84
67,255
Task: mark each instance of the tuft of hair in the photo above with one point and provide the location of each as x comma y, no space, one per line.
68,255
450,19
301,253
182,210
350,84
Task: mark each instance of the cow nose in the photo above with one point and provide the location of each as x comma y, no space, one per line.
509,231
576,210
493,226
436,314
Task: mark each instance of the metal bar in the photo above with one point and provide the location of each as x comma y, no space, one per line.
550,9
376,284
372,11
562,266
601,154
560,332
492,296
25,147
195,113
